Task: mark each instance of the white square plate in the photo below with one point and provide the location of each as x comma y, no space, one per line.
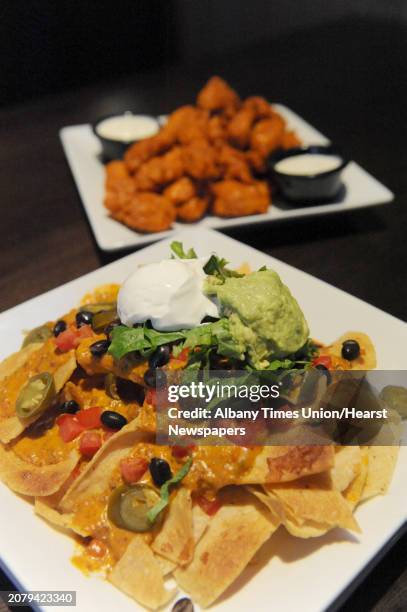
82,150
291,574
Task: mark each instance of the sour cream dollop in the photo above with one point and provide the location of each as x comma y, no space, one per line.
169,294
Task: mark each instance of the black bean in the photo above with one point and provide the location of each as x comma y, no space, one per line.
183,605
160,357
155,378
113,419
59,327
69,407
99,348
83,317
325,371
350,350
160,471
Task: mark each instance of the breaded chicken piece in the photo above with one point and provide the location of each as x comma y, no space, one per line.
188,124
193,209
118,178
233,199
259,106
240,126
218,96
267,135
199,160
145,149
159,171
146,212
290,140
180,191
116,201
256,161
233,164
217,129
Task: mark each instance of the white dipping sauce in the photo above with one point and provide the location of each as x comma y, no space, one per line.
308,164
169,294
127,127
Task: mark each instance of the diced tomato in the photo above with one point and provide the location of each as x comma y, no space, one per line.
90,418
66,340
210,506
71,337
69,427
85,331
179,452
324,360
96,548
90,443
133,468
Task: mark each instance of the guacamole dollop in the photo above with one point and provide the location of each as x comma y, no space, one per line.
265,320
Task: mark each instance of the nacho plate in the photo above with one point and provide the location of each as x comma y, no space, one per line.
268,581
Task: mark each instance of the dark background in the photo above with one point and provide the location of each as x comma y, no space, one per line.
48,46
340,64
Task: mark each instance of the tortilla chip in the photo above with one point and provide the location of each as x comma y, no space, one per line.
51,515
381,463
273,504
354,490
311,512
285,463
93,479
200,522
28,479
367,357
138,574
13,426
175,541
18,359
233,536
166,566
347,465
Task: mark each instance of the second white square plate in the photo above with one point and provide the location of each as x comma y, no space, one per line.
82,150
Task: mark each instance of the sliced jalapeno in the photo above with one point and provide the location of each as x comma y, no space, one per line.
36,395
129,506
103,319
38,334
98,307
396,398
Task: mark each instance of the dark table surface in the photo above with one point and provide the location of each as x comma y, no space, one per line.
348,79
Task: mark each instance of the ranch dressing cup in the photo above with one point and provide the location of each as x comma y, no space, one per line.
117,132
308,175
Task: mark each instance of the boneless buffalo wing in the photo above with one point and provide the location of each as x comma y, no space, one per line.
208,158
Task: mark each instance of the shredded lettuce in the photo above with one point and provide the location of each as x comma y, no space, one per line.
178,249
216,266
165,491
139,339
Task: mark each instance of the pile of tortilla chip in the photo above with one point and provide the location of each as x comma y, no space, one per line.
306,490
